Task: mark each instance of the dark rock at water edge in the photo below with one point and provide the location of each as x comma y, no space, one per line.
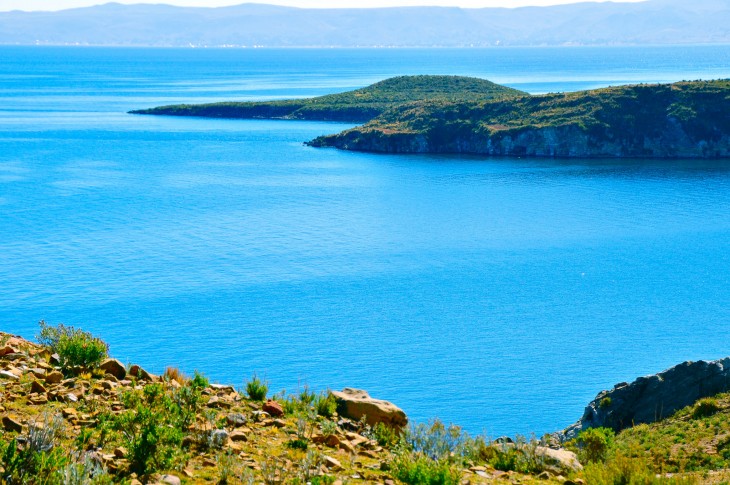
651,398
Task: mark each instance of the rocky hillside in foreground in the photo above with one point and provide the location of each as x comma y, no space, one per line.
681,120
355,106
69,414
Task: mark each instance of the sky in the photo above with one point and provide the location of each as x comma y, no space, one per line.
30,5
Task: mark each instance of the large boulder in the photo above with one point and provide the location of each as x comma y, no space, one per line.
114,367
356,404
561,459
653,397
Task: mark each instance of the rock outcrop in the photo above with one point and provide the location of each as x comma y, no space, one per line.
654,397
356,404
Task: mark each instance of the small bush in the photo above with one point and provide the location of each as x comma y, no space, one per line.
257,389
175,374
297,444
621,469
325,404
594,444
417,469
705,407
74,347
605,403
386,436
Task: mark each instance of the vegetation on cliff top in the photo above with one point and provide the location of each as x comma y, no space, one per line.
356,106
102,423
624,117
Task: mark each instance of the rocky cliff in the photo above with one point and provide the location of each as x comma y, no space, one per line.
651,398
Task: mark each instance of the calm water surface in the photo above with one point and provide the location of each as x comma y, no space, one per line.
500,294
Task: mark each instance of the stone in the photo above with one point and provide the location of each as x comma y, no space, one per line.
9,375
236,420
280,423
218,438
12,424
227,389
38,372
69,413
114,367
332,441
273,408
238,436
170,480
140,373
7,350
355,438
561,459
54,377
135,482
260,415
356,404
39,399
347,446
331,463
37,388
651,398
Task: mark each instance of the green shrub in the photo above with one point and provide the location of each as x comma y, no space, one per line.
417,469
625,470
325,404
257,389
297,444
435,440
705,407
605,403
199,381
151,428
594,444
73,346
386,436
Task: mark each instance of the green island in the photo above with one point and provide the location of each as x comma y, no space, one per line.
450,114
70,414
356,106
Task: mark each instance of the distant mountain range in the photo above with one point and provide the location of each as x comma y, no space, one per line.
590,23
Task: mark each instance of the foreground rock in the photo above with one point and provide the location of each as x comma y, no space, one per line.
651,398
356,404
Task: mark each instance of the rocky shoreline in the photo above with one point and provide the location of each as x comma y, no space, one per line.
94,418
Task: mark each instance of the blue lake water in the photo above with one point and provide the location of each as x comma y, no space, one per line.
499,294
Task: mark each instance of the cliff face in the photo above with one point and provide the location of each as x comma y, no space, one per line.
683,120
564,141
651,398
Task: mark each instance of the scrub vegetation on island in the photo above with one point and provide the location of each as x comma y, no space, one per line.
449,114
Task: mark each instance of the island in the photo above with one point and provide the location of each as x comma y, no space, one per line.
358,106
461,115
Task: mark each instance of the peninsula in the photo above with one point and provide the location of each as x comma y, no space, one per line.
450,114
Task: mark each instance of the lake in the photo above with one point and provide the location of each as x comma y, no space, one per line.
498,294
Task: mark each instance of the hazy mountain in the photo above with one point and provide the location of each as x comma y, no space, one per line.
649,22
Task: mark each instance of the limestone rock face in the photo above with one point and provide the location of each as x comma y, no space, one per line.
654,397
356,403
114,367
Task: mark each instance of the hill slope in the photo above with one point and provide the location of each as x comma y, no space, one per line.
686,119
589,23
357,106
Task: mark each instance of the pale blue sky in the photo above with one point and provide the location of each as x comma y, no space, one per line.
63,4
